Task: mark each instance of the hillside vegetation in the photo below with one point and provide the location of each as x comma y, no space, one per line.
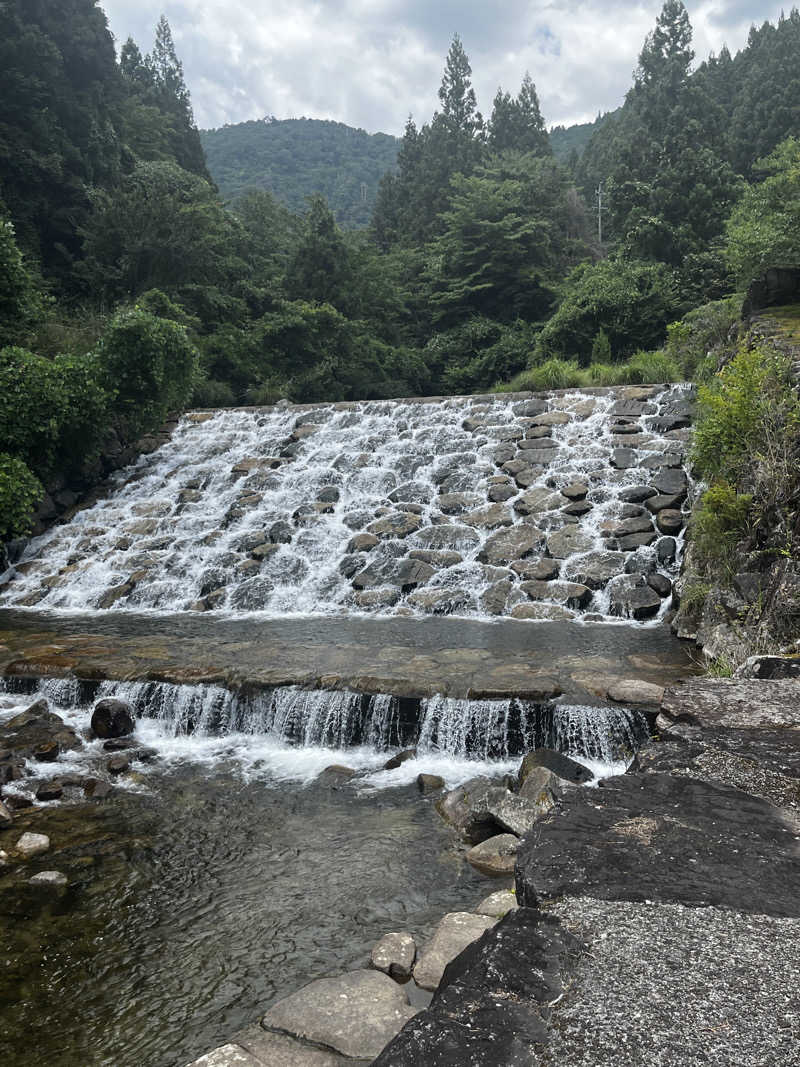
296,158
127,277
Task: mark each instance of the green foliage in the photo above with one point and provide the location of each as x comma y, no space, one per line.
21,303
477,353
601,347
148,366
294,159
632,301
764,229
718,523
730,414
699,340
20,492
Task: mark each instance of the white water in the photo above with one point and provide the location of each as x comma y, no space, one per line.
290,734
181,525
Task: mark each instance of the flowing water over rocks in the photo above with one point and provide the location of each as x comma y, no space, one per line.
310,612
484,507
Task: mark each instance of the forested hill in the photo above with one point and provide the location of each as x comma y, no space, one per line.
569,142
295,158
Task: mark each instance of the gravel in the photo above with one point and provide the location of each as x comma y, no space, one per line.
665,985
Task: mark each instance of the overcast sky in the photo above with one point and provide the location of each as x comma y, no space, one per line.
370,63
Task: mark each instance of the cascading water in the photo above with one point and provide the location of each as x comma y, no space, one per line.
462,733
533,509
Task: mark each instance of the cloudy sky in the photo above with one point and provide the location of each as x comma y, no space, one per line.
370,63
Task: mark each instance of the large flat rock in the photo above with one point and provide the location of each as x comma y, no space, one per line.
406,657
356,1014
486,1012
257,1048
665,838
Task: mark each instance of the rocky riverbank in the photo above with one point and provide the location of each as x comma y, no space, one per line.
656,921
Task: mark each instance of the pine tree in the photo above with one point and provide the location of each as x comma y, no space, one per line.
459,113
533,133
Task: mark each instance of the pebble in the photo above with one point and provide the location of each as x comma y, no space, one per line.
54,879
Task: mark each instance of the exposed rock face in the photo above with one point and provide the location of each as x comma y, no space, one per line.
620,842
356,1014
486,1011
112,718
452,935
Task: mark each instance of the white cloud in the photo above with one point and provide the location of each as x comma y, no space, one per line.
371,62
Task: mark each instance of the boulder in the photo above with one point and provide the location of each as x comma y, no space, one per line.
495,856
500,810
575,491
455,806
257,1048
568,542
671,482
112,718
118,765
670,521
538,570
454,932
540,786
595,569
528,409
666,549
570,594
429,783
632,598
401,758
635,691
30,845
441,601
634,541
361,543
356,1014
457,503
637,494
623,458
556,762
579,508
659,502
636,525
398,524
502,492
50,791
506,546
660,584
394,955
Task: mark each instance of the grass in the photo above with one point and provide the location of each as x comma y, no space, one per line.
644,368
788,318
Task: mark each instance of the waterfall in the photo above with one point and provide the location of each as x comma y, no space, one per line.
477,730
484,507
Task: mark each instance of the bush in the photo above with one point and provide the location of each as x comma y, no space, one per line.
700,338
630,300
208,393
20,492
649,368
730,412
601,347
148,366
718,524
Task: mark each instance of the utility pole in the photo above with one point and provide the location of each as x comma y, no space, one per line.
600,213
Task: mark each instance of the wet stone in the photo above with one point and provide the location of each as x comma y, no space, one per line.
489,518
457,503
660,501
637,494
567,542
671,482
394,954
439,559
669,521
506,546
639,524
429,783
634,541
399,524
632,598
49,880
118,765
30,845
50,791
112,718
570,594
666,549
541,612
575,491
660,583
501,492
538,500
529,408
595,569
580,507
495,856
496,905
540,570
557,763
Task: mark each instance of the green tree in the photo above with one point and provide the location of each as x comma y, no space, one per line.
764,229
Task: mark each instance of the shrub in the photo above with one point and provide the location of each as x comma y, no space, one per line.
648,368
601,347
20,492
208,393
719,523
148,366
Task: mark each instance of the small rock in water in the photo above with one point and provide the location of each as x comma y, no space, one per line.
47,752
394,954
429,783
50,791
30,845
660,583
6,818
335,774
50,879
497,904
97,788
112,718
494,856
118,765
401,757
562,766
